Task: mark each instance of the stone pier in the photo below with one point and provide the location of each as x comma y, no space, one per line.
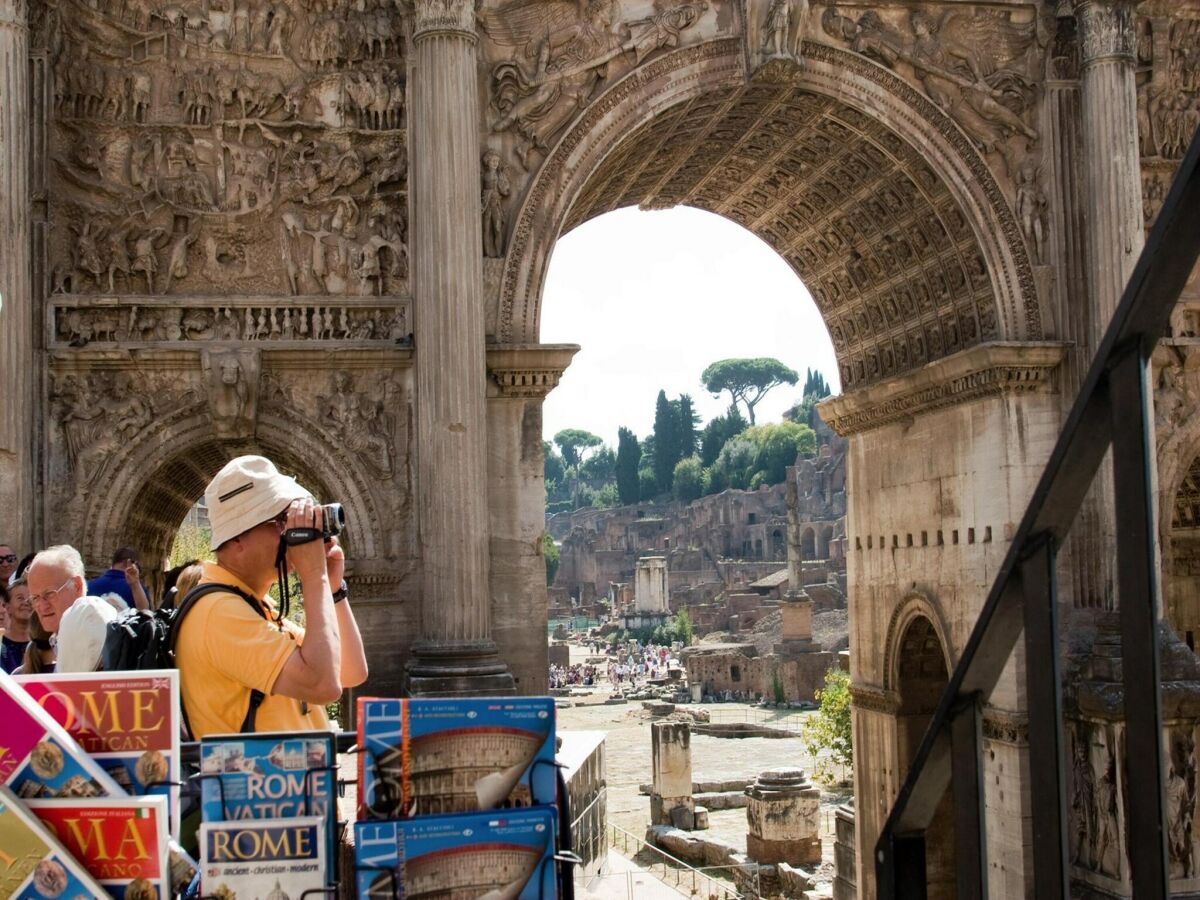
455,653
802,662
16,290
671,801
781,819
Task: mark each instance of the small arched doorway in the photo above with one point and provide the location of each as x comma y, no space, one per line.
808,544
921,678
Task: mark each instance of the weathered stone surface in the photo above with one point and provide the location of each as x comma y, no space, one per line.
782,818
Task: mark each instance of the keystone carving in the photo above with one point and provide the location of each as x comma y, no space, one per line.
232,382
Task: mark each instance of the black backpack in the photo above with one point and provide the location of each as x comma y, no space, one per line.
146,639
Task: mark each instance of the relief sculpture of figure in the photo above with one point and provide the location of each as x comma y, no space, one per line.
496,188
784,27
1181,803
1031,210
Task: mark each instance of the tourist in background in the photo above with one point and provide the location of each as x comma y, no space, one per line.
39,655
16,637
123,578
8,563
82,633
56,580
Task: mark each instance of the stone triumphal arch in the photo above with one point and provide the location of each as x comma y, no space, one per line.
320,229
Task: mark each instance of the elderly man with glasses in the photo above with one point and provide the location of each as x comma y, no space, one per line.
56,580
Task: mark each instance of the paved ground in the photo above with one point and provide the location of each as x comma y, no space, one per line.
628,757
624,879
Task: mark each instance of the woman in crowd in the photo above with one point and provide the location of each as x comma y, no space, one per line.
39,655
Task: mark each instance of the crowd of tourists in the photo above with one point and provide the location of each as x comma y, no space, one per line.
628,665
243,665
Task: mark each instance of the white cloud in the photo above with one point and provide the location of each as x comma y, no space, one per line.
653,298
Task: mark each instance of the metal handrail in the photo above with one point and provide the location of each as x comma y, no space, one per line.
1112,408
682,872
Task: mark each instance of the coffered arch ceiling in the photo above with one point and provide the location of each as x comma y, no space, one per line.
872,230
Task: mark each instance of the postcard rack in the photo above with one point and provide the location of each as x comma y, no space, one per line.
564,859
195,791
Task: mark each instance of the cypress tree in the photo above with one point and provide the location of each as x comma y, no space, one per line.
666,441
629,454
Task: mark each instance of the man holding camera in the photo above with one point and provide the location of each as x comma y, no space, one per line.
243,667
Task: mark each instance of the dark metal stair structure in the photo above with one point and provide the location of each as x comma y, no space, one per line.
1111,410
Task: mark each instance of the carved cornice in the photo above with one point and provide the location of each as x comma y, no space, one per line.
1005,727
443,16
528,370
873,699
987,370
1106,30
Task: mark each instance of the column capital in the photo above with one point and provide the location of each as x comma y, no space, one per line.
14,13
1106,30
528,371
442,16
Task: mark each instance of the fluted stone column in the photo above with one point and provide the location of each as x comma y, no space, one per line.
455,653
1114,228
1110,142
17,358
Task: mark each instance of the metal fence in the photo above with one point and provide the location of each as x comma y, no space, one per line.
675,873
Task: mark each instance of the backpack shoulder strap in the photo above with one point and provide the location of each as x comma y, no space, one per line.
185,606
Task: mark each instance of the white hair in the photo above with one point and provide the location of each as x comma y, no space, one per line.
62,556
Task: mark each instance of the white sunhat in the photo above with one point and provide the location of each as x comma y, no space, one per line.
248,491
81,634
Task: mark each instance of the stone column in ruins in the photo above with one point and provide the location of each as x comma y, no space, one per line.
455,653
16,293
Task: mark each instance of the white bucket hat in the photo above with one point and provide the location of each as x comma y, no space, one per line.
81,634
248,491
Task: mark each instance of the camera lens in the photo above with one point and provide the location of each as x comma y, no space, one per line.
335,519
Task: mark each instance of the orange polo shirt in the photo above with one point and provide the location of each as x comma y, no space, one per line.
225,648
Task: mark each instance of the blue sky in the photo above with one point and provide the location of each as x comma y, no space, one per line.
653,298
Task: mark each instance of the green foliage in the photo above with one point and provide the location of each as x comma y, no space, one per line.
815,385
688,479
629,454
718,431
689,419
734,466
647,485
683,627
600,468
191,542
777,690
816,388
550,553
666,441
747,380
760,455
778,445
606,497
678,629
573,443
552,465
829,728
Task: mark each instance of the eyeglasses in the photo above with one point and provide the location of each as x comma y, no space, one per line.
38,598
8,558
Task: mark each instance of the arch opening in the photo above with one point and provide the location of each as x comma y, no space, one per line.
921,678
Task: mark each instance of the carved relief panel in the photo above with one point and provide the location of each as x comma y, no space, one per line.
231,147
981,65
1168,76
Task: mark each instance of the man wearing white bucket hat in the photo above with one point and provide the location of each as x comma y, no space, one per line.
243,666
